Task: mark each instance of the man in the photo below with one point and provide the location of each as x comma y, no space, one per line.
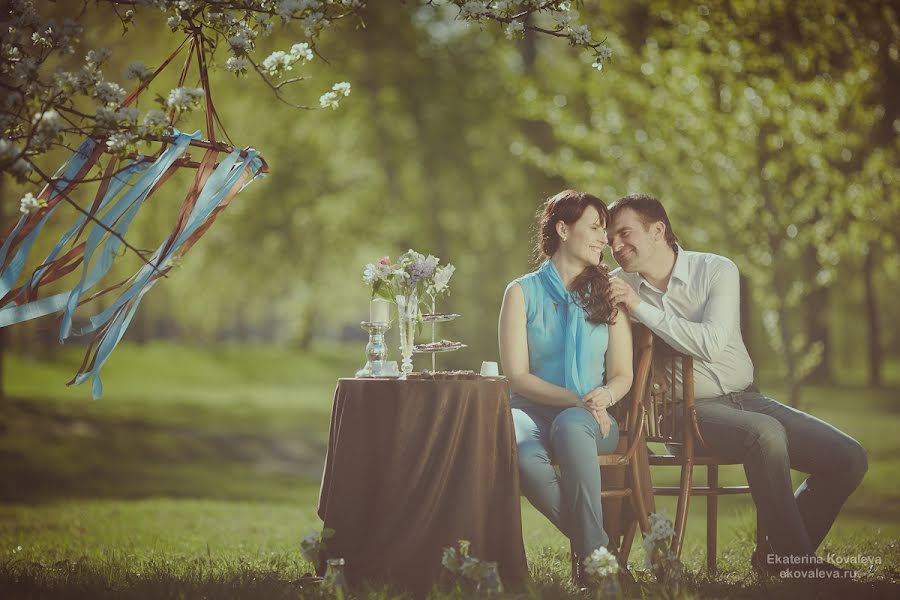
691,300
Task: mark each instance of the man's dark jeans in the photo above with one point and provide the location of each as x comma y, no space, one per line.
770,439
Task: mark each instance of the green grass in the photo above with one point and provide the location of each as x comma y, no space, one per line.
197,474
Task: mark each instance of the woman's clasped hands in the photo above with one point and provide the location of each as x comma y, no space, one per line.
596,402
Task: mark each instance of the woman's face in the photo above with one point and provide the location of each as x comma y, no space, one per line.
585,239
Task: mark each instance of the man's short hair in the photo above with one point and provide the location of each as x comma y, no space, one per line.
648,209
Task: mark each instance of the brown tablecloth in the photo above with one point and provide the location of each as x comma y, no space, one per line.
413,467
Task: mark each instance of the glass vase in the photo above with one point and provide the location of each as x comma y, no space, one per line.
408,318
335,581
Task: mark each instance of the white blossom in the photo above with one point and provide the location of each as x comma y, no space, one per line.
173,22
302,51
184,98
597,65
515,30
48,122
20,168
442,277
474,9
605,52
342,88
329,100
277,62
155,118
563,20
581,35
108,92
138,70
239,42
97,57
29,204
7,149
601,563
451,560
236,64
119,141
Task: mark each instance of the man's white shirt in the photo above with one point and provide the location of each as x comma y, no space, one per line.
699,314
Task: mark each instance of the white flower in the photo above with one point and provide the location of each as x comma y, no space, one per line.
155,117
601,563
563,20
108,92
29,204
311,545
48,121
343,88
329,100
138,70
581,35
302,51
173,22
442,277
605,52
473,569
20,168
474,9
597,65
184,98
277,62
118,141
237,65
451,560
7,149
240,41
375,272
97,57
515,30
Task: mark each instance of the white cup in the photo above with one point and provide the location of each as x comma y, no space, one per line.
391,368
489,369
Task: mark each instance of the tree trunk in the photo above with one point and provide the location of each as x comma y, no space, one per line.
876,357
817,321
746,321
784,327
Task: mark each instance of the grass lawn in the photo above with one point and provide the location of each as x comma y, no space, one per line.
197,474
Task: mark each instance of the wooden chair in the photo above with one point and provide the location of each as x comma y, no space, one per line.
667,383
629,413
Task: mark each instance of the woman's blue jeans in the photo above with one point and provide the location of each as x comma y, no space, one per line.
571,439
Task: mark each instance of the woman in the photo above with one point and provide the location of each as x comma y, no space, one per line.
567,357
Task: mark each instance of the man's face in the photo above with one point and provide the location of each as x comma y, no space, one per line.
631,241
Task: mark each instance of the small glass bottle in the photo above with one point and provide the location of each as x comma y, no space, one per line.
490,585
335,582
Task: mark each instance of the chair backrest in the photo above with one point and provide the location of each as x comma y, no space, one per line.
665,379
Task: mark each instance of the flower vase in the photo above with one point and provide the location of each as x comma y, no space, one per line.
408,318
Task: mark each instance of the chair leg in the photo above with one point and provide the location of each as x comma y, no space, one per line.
574,560
712,504
761,541
627,541
681,510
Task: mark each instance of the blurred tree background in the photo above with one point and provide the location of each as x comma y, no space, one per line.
770,130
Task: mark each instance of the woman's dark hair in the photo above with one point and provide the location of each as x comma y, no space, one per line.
591,286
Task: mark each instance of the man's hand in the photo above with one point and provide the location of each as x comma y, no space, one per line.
622,293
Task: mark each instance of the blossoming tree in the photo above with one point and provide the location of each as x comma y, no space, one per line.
46,108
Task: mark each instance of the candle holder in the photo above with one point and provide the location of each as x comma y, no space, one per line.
376,349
